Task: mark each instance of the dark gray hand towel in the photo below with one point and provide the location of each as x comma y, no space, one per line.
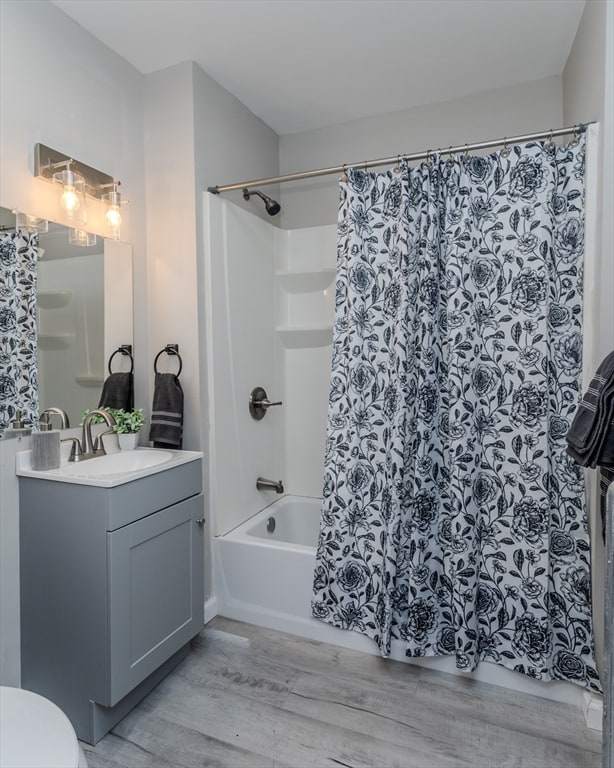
600,450
604,449
118,392
592,423
166,429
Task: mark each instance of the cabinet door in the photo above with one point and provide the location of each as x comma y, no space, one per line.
155,573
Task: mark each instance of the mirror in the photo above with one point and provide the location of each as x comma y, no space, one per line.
84,314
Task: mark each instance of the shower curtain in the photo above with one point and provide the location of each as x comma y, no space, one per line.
453,520
18,335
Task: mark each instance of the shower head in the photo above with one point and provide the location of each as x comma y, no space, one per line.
272,206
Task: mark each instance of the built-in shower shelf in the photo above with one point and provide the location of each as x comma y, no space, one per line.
303,282
53,299
55,340
301,337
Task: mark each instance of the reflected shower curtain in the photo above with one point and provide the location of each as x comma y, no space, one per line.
18,336
453,520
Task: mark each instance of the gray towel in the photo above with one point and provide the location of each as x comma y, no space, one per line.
166,429
590,440
118,392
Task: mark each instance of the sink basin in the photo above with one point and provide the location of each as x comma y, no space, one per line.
114,464
107,471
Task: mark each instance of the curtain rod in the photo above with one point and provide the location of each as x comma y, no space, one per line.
576,129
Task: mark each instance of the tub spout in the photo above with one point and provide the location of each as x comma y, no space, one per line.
262,484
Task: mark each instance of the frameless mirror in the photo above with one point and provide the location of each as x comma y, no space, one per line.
84,314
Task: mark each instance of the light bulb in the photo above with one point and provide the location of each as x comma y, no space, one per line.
114,220
70,200
113,217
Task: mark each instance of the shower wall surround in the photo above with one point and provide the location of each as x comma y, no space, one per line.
304,283
241,353
271,302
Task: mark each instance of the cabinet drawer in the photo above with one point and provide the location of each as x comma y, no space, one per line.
155,579
112,508
132,501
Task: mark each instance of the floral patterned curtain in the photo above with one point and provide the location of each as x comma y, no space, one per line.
453,519
18,337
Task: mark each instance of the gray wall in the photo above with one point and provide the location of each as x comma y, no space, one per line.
491,114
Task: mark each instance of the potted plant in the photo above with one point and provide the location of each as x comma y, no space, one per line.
127,426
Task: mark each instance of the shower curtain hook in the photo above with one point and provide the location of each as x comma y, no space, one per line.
466,155
506,150
550,145
576,136
344,174
397,168
450,160
429,158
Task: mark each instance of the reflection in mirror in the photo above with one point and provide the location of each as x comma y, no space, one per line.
84,313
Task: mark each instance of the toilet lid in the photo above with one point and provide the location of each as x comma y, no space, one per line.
34,732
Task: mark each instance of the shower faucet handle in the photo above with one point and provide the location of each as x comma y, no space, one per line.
266,403
259,403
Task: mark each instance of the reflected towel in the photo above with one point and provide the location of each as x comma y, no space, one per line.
166,429
118,392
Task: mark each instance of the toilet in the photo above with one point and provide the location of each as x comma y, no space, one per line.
34,733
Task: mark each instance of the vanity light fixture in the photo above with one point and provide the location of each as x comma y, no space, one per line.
78,182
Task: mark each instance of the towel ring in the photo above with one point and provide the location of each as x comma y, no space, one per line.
124,349
170,349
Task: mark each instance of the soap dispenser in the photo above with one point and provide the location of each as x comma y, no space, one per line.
17,428
45,447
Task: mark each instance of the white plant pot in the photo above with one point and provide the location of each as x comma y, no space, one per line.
128,441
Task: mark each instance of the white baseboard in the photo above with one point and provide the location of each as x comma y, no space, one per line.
210,608
592,709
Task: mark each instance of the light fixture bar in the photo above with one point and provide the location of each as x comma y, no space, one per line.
47,161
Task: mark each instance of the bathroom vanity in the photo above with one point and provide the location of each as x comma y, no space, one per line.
111,569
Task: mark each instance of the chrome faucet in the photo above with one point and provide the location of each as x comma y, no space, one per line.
85,448
262,484
44,422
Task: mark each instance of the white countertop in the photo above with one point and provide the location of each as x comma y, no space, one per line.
95,472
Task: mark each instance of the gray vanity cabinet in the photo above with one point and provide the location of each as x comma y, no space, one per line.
111,590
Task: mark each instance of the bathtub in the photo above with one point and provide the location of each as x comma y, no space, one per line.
264,568
263,572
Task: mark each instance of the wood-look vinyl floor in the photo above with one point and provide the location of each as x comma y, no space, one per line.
248,697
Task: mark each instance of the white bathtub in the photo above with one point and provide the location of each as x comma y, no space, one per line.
266,579
292,520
